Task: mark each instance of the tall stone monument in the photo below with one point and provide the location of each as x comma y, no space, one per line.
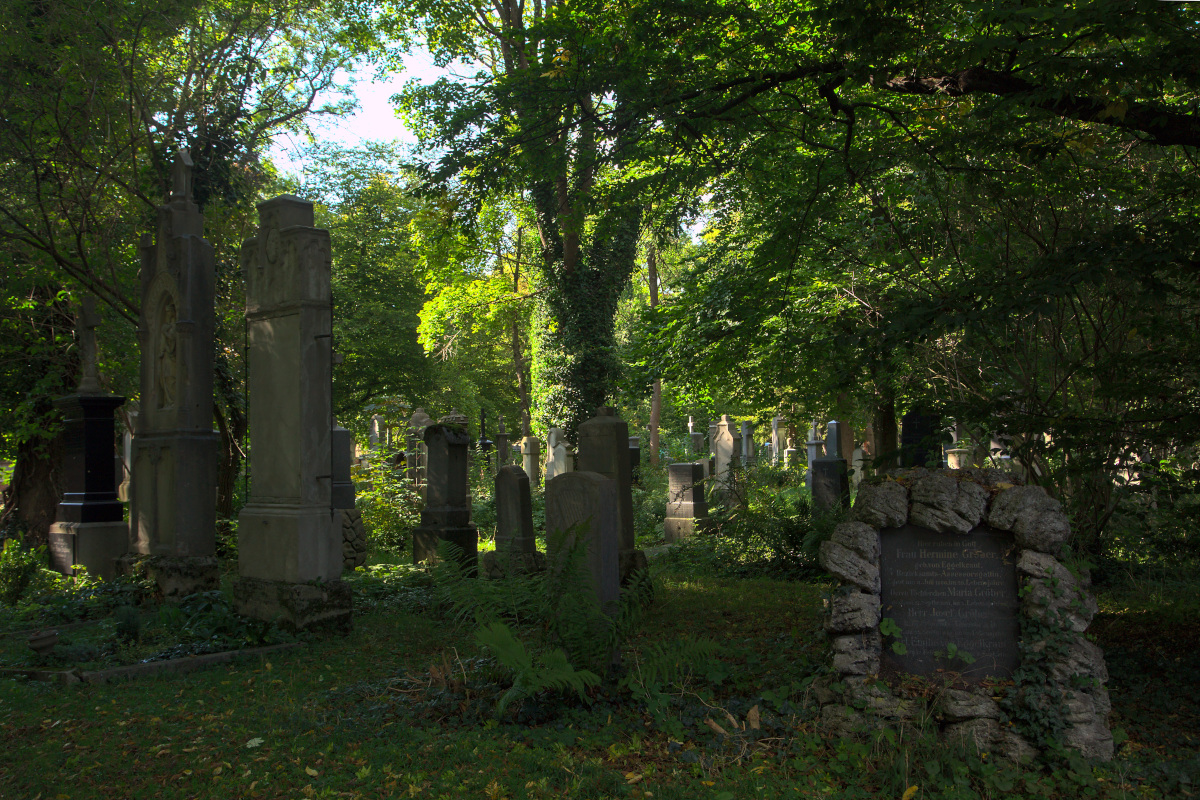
687,510
89,528
778,439
747,432
447,513
172,515
289,549
604,449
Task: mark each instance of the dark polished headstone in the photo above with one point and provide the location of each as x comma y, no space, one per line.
89,466
949,588
919,439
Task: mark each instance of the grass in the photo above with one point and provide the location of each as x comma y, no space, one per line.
401,708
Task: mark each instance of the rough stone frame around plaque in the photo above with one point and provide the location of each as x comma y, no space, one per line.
1055,610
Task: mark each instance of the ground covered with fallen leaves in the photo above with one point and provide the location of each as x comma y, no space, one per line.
405,707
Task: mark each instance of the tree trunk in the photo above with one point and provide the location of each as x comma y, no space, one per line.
656,396
887,443
518,357
31,501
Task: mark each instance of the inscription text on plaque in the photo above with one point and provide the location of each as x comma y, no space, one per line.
947,588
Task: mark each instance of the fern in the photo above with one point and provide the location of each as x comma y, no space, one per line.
552,672
663,665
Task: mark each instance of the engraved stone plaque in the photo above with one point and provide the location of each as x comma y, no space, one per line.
945,589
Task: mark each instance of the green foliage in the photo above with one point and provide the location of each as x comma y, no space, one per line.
772,515
551,671
19,569
206,622
390,505
128,622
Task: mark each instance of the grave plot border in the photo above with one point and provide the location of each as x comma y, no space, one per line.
1057,691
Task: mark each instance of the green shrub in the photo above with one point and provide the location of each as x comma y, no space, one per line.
19,570
389,503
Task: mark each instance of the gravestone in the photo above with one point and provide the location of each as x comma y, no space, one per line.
954,575
696,438
416,453
726,451
687,510
175,449
816,449
791,458
919,434
747,433
347,520
558,454
289,552
447,512
604,449
830,481
125,475
531,454
585,504
635,459
516,546
945,588
89,527
858,463
778,439
374,431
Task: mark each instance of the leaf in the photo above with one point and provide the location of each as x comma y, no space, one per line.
909,793
752,719
633,777
312,773
255,742
715,727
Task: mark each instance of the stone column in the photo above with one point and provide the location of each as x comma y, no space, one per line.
687,510
90,528
347,520
585,504
175,449
830,482
373,431
604,449
289,556
447,512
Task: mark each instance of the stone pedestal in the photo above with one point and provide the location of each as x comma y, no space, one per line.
286,531
175,449
604,449
447,512
959,458
687,510
90,520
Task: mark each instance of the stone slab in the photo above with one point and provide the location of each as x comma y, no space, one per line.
947,588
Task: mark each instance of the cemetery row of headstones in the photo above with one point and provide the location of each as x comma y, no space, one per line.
298,529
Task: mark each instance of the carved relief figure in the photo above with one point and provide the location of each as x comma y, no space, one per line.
166,357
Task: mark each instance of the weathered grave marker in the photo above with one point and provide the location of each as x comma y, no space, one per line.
687,510
447,512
